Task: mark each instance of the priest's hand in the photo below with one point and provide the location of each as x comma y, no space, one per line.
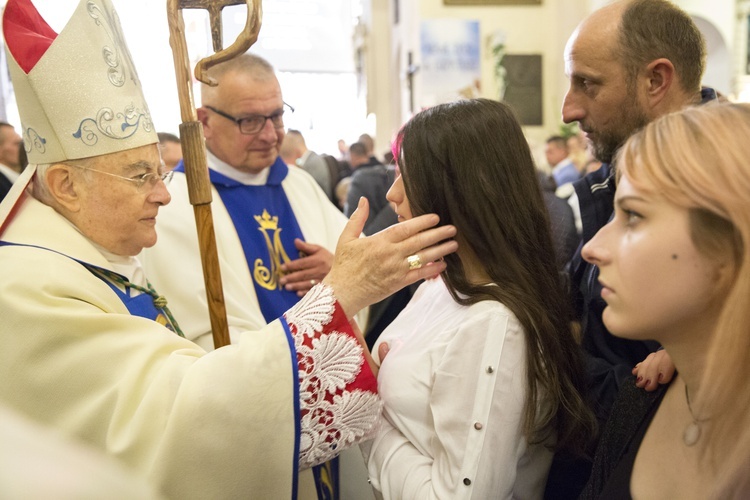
367,270
304,273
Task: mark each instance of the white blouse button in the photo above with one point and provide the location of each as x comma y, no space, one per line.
490,369
478,426
467,481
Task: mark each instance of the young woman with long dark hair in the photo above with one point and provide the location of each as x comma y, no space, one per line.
482,379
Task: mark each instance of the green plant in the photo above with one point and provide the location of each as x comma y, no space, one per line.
568,129
498,55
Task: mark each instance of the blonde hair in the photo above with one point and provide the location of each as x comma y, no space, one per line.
698,159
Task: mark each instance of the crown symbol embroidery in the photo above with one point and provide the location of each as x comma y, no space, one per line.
265,221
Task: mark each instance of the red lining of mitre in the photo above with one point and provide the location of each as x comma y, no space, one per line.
27,34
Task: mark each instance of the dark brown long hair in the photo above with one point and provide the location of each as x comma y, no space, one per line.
468,162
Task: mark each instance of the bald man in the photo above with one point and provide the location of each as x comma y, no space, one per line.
628,63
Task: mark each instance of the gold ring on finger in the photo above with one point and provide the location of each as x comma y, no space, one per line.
415,262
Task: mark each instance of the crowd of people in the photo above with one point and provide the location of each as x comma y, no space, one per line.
11,157
481,329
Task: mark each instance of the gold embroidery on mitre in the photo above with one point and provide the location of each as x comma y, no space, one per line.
267,277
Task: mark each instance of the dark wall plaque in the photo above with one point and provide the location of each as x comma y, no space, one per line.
523,87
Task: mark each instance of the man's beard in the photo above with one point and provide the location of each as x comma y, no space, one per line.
606,143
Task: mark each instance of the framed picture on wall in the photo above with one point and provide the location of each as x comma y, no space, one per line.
523,87
492,2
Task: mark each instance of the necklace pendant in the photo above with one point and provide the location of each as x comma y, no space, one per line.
692,434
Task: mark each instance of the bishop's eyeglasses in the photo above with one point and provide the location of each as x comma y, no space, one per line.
142,183
252,124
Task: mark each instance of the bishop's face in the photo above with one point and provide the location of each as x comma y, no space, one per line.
114,212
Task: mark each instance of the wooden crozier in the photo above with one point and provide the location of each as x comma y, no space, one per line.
191,135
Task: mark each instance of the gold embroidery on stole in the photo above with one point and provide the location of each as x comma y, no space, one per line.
265,277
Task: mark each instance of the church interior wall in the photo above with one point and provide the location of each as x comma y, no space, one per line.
527,29
392,33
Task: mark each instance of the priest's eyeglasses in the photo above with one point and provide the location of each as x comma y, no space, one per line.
252,124
143,183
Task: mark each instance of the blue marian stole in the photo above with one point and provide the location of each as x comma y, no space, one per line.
145,305
148,304
266,227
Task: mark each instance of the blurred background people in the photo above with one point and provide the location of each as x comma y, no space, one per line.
294,152
343,150
10,157
342,191
578,151
369,144
170,148
562,222
563,169
369,179
290,150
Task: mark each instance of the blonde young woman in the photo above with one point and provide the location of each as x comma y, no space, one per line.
675,267
482,377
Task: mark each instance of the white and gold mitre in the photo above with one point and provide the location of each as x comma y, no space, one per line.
78,92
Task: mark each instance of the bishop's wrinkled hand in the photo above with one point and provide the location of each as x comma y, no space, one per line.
366,270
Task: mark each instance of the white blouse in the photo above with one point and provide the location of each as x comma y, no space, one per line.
454,387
